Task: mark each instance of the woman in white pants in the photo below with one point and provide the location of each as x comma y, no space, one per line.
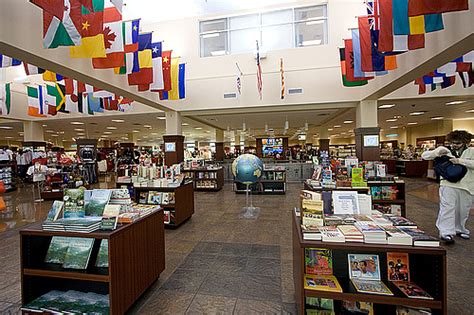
455,198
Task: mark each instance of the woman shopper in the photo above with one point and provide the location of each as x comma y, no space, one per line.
455,198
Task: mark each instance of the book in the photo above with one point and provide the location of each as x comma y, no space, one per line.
400,221
364,266
395,236
351,233
322,283
319,306
166,216
357,174
98,201
171,199
345,202
74,203
357,308
143,197
55,210
109,223
408,310
398,266
412,290
57,250
312,212
371,286
318,261
420,238
78,253
164,198
381,170
312,195
44,300
365,203
102,260
331,234
154,197
311,232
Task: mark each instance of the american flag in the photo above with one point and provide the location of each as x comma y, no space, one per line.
373,14
259,73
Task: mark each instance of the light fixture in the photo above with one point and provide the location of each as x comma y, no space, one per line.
437,118
76,123
112,128
391,135
422,112
118,120
412,123
54,135
455,102
147,126
330,129
266,127
105,136
108,132
397,116
44,125
391,119
8,137
161,117
184,124
244,126
394,127
385,106
470,111
198,128
78,129
6,127
49,131
348,121
337,126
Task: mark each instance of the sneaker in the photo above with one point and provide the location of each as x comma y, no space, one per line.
463,235
447,239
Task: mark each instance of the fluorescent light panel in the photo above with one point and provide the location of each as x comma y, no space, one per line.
385,106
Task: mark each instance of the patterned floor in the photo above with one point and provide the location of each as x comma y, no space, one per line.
217,263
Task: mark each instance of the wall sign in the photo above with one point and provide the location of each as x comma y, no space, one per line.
170,146
371,141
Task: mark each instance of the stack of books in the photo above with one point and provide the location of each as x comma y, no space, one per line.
79,225
373,234
395,236
351,233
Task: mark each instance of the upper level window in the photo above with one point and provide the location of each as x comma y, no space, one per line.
274,30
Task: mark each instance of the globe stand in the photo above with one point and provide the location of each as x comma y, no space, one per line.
249,211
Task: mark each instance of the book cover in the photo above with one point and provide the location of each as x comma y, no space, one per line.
357,308
55,210
312,195
331,234
99,199
412,290
398,267
171,199
322,283
143,197
318,261
345,202
381,170
78,253
312,212
57,250
319,306
371,286
74,203
365,204
120,194
109,223
420,238
357,175
164,198
364,266
406,310
326,176
102,260
166,216
43,301
154,197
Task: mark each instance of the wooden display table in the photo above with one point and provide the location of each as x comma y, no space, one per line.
136,259
206,179
427,269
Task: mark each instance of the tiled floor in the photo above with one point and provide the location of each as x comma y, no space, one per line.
217,263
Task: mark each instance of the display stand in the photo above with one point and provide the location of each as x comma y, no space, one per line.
272,182
8,176
38,172
206,179
136,259
412,168
427,266
249,211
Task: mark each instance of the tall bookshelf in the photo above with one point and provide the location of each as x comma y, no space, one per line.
427,268
136,259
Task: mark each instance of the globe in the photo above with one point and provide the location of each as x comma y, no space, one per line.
247,169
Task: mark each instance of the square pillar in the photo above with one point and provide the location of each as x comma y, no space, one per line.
174,149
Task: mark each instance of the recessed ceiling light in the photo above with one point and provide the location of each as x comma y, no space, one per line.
112,128
184,124
161,117
49,131
44,125
422,112
384,106
8,137
6,127
437,118
455,102
348,121
470,111
330,129
391,119
147,126
397,116
394,127
412,123
118,120
53,135
78,129
105,136
197,128
135,130
108,132
76,123
337,126
154,133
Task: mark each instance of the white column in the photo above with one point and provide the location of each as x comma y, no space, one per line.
173,123
32,131
366,114
219,135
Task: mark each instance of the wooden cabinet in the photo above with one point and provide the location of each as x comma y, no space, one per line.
412,168
427,269
206,179
136,259
394,204
272,182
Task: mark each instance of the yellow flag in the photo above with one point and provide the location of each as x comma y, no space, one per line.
145,59
91,47
173,94
417,25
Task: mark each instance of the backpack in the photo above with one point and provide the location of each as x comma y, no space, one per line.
451,172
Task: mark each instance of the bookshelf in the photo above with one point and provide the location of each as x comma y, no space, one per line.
427,266
183,207
272,182
8,176
136,259
395,203
342,151
206,179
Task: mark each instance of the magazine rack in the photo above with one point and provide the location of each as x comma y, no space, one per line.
427,266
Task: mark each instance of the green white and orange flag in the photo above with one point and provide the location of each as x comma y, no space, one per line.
5,99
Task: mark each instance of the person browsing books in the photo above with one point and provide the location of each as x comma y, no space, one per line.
455,197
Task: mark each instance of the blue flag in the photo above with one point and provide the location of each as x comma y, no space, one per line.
181,79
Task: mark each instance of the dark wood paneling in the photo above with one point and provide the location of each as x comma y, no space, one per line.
219,151
177,156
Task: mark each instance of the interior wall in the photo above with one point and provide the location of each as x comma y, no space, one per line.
438,128
340,141
464,124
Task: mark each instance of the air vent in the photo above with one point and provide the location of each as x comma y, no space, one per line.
230,95
295,91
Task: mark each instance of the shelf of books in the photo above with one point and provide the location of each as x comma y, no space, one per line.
206,179
84,272
8,176
272,182
177,202
359,264
388,196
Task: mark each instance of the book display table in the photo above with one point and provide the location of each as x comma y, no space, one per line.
136,257
427,266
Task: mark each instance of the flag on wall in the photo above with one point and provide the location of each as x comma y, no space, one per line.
142,72
51,76
6,61
156,55
423,7
259,73
166,65
282,80
36,102
31,69
5,98
114,50
346,57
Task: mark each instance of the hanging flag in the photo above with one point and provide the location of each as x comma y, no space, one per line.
182,81
51,76
112,11
422,7
371,58
238,79
173,94
158,83
5,98
31,69
405,25
74,88
142,72
163,95
166,65
6,61
467,78
36,102
130,37
55,98
345,82
94,104
358,73
259,73
62,27
282,80
113,47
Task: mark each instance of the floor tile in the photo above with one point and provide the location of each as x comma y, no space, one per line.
263,266
265,251
247,307
209,304
167,302
222,284
260,287
185,280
